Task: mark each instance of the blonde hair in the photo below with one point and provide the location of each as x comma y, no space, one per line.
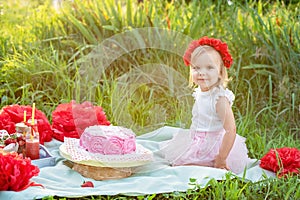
223,72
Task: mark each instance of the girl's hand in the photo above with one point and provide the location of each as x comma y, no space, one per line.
221,163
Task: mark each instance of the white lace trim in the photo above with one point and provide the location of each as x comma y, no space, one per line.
79,154
225,93
218,92
196,91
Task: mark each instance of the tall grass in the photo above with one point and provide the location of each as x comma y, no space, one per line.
41,61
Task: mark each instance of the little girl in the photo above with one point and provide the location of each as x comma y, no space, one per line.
211,140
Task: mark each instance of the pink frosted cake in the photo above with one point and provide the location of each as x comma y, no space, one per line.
108,140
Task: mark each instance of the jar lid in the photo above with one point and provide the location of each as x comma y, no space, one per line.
21,125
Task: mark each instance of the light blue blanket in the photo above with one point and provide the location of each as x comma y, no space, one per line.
156,177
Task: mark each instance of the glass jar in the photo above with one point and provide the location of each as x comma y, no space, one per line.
32,147
22,130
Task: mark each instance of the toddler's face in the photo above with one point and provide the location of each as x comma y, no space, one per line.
206,69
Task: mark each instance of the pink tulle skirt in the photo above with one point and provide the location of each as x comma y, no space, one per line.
200,148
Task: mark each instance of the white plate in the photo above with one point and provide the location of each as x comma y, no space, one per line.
143,157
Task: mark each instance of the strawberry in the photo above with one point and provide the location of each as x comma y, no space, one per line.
20,138
9,141
87,184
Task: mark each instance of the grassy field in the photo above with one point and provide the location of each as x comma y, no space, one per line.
127,57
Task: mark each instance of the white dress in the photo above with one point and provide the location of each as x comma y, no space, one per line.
200,144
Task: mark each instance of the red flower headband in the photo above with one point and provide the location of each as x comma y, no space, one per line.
217,44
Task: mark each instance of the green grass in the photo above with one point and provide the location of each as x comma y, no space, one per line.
230,188
43,57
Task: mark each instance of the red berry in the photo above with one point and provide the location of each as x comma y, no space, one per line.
9,141
20,138
87,184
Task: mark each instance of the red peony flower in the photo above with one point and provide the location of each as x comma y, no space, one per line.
12,114
217,44
16,172
282,161
70,119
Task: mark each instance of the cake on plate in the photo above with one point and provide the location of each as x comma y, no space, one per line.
105,152
108,140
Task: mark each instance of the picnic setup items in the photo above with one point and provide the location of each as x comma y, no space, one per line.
105,151
38,153
98,150
111,155
25,140
11,115
17,153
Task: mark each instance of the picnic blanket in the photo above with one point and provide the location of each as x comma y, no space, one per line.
153,178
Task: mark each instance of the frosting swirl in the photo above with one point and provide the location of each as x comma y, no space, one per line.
108,140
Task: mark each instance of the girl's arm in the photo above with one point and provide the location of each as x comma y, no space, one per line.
225,113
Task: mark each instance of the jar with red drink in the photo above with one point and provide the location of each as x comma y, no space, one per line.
32,146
